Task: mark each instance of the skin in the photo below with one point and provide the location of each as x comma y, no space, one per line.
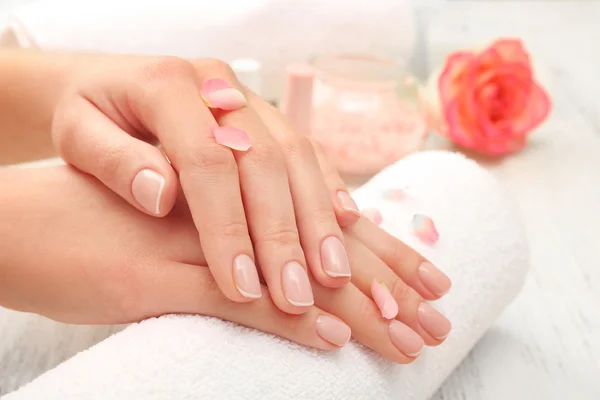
103,112
77,253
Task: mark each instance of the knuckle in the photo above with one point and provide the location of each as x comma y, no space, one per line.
215,161
367,311
268,157
299,147
110,161
232,229
166,68
402,293
281,236
220,66
323,216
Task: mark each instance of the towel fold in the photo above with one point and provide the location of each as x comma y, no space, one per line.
482,247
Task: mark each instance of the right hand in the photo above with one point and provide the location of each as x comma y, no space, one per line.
75,252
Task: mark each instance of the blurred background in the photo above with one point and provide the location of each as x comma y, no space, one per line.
371,96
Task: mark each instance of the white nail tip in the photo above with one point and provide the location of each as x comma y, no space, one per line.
300,304
249,295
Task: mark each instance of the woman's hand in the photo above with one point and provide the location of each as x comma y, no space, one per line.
75,252
253,198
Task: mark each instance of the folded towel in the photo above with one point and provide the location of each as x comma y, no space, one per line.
482,247
271,31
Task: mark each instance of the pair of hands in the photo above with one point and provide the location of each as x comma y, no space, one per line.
83,255
277,203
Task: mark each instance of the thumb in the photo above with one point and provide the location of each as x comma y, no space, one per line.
137,171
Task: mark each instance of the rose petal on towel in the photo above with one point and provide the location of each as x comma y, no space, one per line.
233,138
395,194
424,229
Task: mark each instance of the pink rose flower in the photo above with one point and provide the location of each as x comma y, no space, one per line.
489,101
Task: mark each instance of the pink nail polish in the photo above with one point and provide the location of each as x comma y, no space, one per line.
334,259
296,285
246,278
347,202
384,300
433,279
433,322
373,215
147,189
233,138
405,339
333,330
217,93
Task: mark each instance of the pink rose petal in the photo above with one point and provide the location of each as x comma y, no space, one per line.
233,138
424,229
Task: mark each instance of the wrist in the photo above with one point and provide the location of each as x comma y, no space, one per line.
32,83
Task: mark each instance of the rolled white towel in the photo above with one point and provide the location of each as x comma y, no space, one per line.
482,247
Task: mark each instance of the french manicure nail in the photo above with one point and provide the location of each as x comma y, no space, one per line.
433,322
433,279
147,189
217,93
384,300
333,330
373,215
334,259
347,202
233,138
245,277
405,339
296,285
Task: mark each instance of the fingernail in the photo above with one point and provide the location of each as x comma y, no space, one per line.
233,138
384,300
405,339
373,215
433,279
296,285
433,322
334,258
217,93
245,277
147,189
347,202
333,330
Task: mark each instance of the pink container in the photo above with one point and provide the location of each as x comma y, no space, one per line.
363,110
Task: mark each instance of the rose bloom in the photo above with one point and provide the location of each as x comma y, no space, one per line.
488,101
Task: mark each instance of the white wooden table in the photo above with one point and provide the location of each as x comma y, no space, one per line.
547,344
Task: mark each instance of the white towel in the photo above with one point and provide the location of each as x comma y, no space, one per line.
482,247
274,32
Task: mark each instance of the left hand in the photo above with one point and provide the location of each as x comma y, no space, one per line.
255,200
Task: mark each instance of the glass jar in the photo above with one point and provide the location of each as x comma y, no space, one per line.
364,112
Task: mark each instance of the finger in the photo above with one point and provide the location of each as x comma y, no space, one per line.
392,339
320,234
267,200
410,266
137,171
394,297
169,104
185,288
346,209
